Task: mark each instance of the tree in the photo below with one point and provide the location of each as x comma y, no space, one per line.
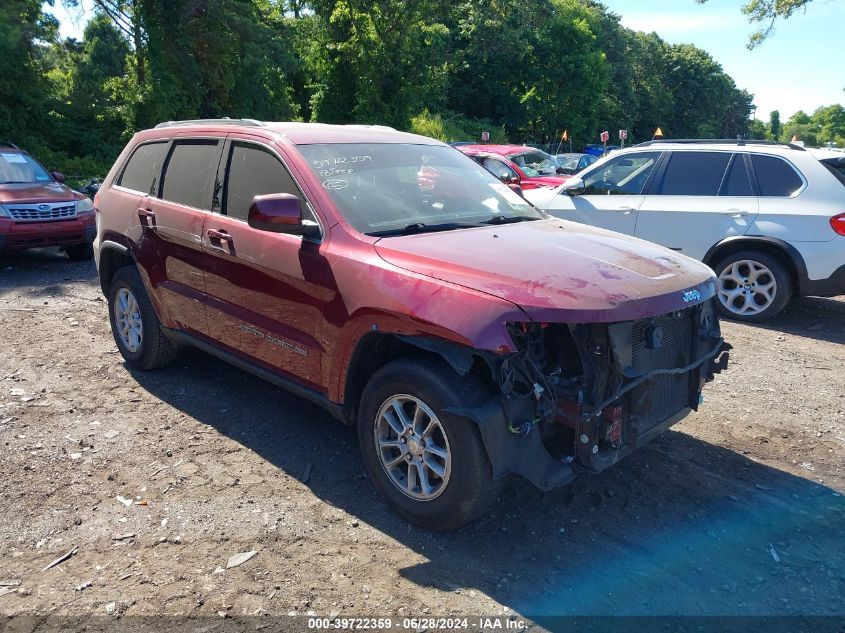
775,127
24,31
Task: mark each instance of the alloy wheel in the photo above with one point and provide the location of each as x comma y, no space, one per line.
747,287
127,320
412,447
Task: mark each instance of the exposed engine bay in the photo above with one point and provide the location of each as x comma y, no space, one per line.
584,395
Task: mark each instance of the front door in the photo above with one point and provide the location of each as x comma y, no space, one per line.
265,293
612,194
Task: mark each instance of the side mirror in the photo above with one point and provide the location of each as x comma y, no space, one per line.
58,176
513,182
574,187
505,177
280,213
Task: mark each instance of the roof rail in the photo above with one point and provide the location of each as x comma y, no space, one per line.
8,144
223,121
719,141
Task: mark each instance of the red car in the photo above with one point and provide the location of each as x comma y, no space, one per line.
399,285
37,209
521,165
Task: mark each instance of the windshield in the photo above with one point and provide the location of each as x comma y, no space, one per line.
383,188
18,167
568,162
536,163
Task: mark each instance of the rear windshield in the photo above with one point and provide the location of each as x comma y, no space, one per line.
384,187
17,167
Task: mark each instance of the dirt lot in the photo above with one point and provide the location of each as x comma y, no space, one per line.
738,510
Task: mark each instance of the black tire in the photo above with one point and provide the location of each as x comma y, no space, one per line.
80,252
470,488
779,274
155,349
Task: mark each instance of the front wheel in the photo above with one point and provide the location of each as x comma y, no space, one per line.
752,286
429,465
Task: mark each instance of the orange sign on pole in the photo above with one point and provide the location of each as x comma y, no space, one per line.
658,133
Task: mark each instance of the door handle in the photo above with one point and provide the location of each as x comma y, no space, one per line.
625,210
147,216
221,241
221,236
735,213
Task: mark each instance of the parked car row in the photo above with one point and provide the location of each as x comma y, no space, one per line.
767,217
470,333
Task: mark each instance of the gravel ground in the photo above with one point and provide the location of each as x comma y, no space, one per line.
736,511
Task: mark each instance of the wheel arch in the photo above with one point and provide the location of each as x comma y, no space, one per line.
786,253
113,257
376,349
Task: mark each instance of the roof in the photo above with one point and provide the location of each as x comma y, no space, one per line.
306,133
501,150
720,144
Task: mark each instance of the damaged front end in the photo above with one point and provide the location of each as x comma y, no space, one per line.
579,397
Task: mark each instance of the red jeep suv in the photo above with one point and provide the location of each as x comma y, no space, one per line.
37,209
391,279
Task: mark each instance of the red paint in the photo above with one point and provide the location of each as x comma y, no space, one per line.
18,235
504,153
301,306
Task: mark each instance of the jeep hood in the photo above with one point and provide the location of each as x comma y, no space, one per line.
557,271
32,192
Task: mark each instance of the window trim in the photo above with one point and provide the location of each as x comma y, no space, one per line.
174,140
223,179
156,173
756,182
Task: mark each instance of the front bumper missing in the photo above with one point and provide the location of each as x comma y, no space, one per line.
530,455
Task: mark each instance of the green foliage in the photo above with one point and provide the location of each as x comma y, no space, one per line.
775,127
455,128
450,69
825,125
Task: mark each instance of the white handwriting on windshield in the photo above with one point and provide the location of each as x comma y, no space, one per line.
340,160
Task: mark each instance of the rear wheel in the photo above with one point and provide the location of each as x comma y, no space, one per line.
134,323
80,252
752,286
429,465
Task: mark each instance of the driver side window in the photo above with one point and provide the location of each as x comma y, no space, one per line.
254,171
621,176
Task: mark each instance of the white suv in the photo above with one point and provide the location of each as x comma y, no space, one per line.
769,218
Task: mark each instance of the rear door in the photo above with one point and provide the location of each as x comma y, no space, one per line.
265,288
696,199
612,195
173,223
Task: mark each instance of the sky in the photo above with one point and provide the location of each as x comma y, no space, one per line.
797,68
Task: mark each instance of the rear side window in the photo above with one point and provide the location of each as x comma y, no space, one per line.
737,181
836,166
142,167
253,171
775,176
190,173
692,174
